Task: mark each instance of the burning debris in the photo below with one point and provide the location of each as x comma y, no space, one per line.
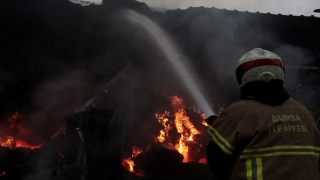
13,133
89,145
167,126
187,133
160,162
92,144
130,164
178,142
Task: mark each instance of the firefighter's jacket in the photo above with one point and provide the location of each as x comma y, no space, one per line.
276,142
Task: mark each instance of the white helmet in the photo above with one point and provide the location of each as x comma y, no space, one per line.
259,65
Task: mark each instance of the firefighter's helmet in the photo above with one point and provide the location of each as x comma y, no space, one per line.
259,65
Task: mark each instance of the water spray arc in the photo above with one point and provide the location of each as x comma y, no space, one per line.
173,56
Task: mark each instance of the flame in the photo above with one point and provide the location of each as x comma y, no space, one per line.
21,143
184,127
163,119
135,151
203,116
182,124
128,163
8,142
12,141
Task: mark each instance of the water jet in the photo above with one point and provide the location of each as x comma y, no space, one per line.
173,55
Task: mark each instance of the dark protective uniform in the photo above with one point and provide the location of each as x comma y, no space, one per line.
263,142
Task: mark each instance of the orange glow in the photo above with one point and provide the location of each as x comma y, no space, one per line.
11,143
135,151
183,126
203,161
21,143
203,116
181,123
128,163
16,141
163,119
8,142
15,117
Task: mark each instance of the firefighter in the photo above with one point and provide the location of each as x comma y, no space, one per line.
267,135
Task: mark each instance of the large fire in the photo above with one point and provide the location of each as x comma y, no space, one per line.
178,121
184,127
14,138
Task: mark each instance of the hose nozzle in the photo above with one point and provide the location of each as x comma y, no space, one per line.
210,120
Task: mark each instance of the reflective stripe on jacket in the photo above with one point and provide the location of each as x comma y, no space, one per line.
273,142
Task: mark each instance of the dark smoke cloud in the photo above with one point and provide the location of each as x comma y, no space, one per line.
216,39
50,42
57,98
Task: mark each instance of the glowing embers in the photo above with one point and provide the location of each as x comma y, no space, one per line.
12,133
203,161
183,126
8,142
128,163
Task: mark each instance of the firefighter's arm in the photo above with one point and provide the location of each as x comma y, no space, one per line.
220,163
220,149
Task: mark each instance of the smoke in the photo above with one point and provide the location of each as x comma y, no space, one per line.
301,84
104,42
57,98
58,55
218,38
88,49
